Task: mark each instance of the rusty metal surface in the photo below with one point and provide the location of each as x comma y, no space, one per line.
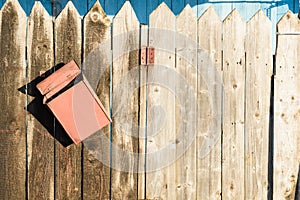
147,56
143,55
150,55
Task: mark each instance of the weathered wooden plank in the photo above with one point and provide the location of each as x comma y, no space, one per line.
40,145
287,108
12,121
233,111
258,90
209,105
186,103
96,171
161,132
125,75
142,119
67,159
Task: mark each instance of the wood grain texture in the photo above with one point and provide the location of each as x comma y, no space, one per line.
96,172
12,121
209,105
287,109
80,5
125,106
186,103
161,135
68,159
142,118
258,90
40,55
233,111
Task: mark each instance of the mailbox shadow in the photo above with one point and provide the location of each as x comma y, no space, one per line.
41,112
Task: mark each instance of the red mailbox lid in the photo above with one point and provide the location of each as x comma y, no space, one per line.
59,79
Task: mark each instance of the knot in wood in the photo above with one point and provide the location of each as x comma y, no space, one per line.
95,17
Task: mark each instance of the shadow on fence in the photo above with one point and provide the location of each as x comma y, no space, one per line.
41,112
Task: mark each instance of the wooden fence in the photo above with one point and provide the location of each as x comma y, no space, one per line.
256,155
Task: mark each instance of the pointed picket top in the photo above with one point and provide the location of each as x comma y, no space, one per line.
40,25
14,16
164,13
39,9
161,7
209,14
260,17
289,23
234,15
186,23
210,29
187,12
234,27
97,15
125,22
209,18
126,10
14,5
66,23
69,8
259,23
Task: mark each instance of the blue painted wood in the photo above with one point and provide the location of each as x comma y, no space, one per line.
140,8
47,5
247,10
120,4
144,7
168,2
80,5
296,5
1,3
26,5
111,7
90,4
177,6
191,2
151,5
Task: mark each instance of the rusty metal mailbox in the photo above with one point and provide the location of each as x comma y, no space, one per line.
73,102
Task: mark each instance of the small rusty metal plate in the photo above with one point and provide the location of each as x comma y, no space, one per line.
147,56
144,56
150,56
